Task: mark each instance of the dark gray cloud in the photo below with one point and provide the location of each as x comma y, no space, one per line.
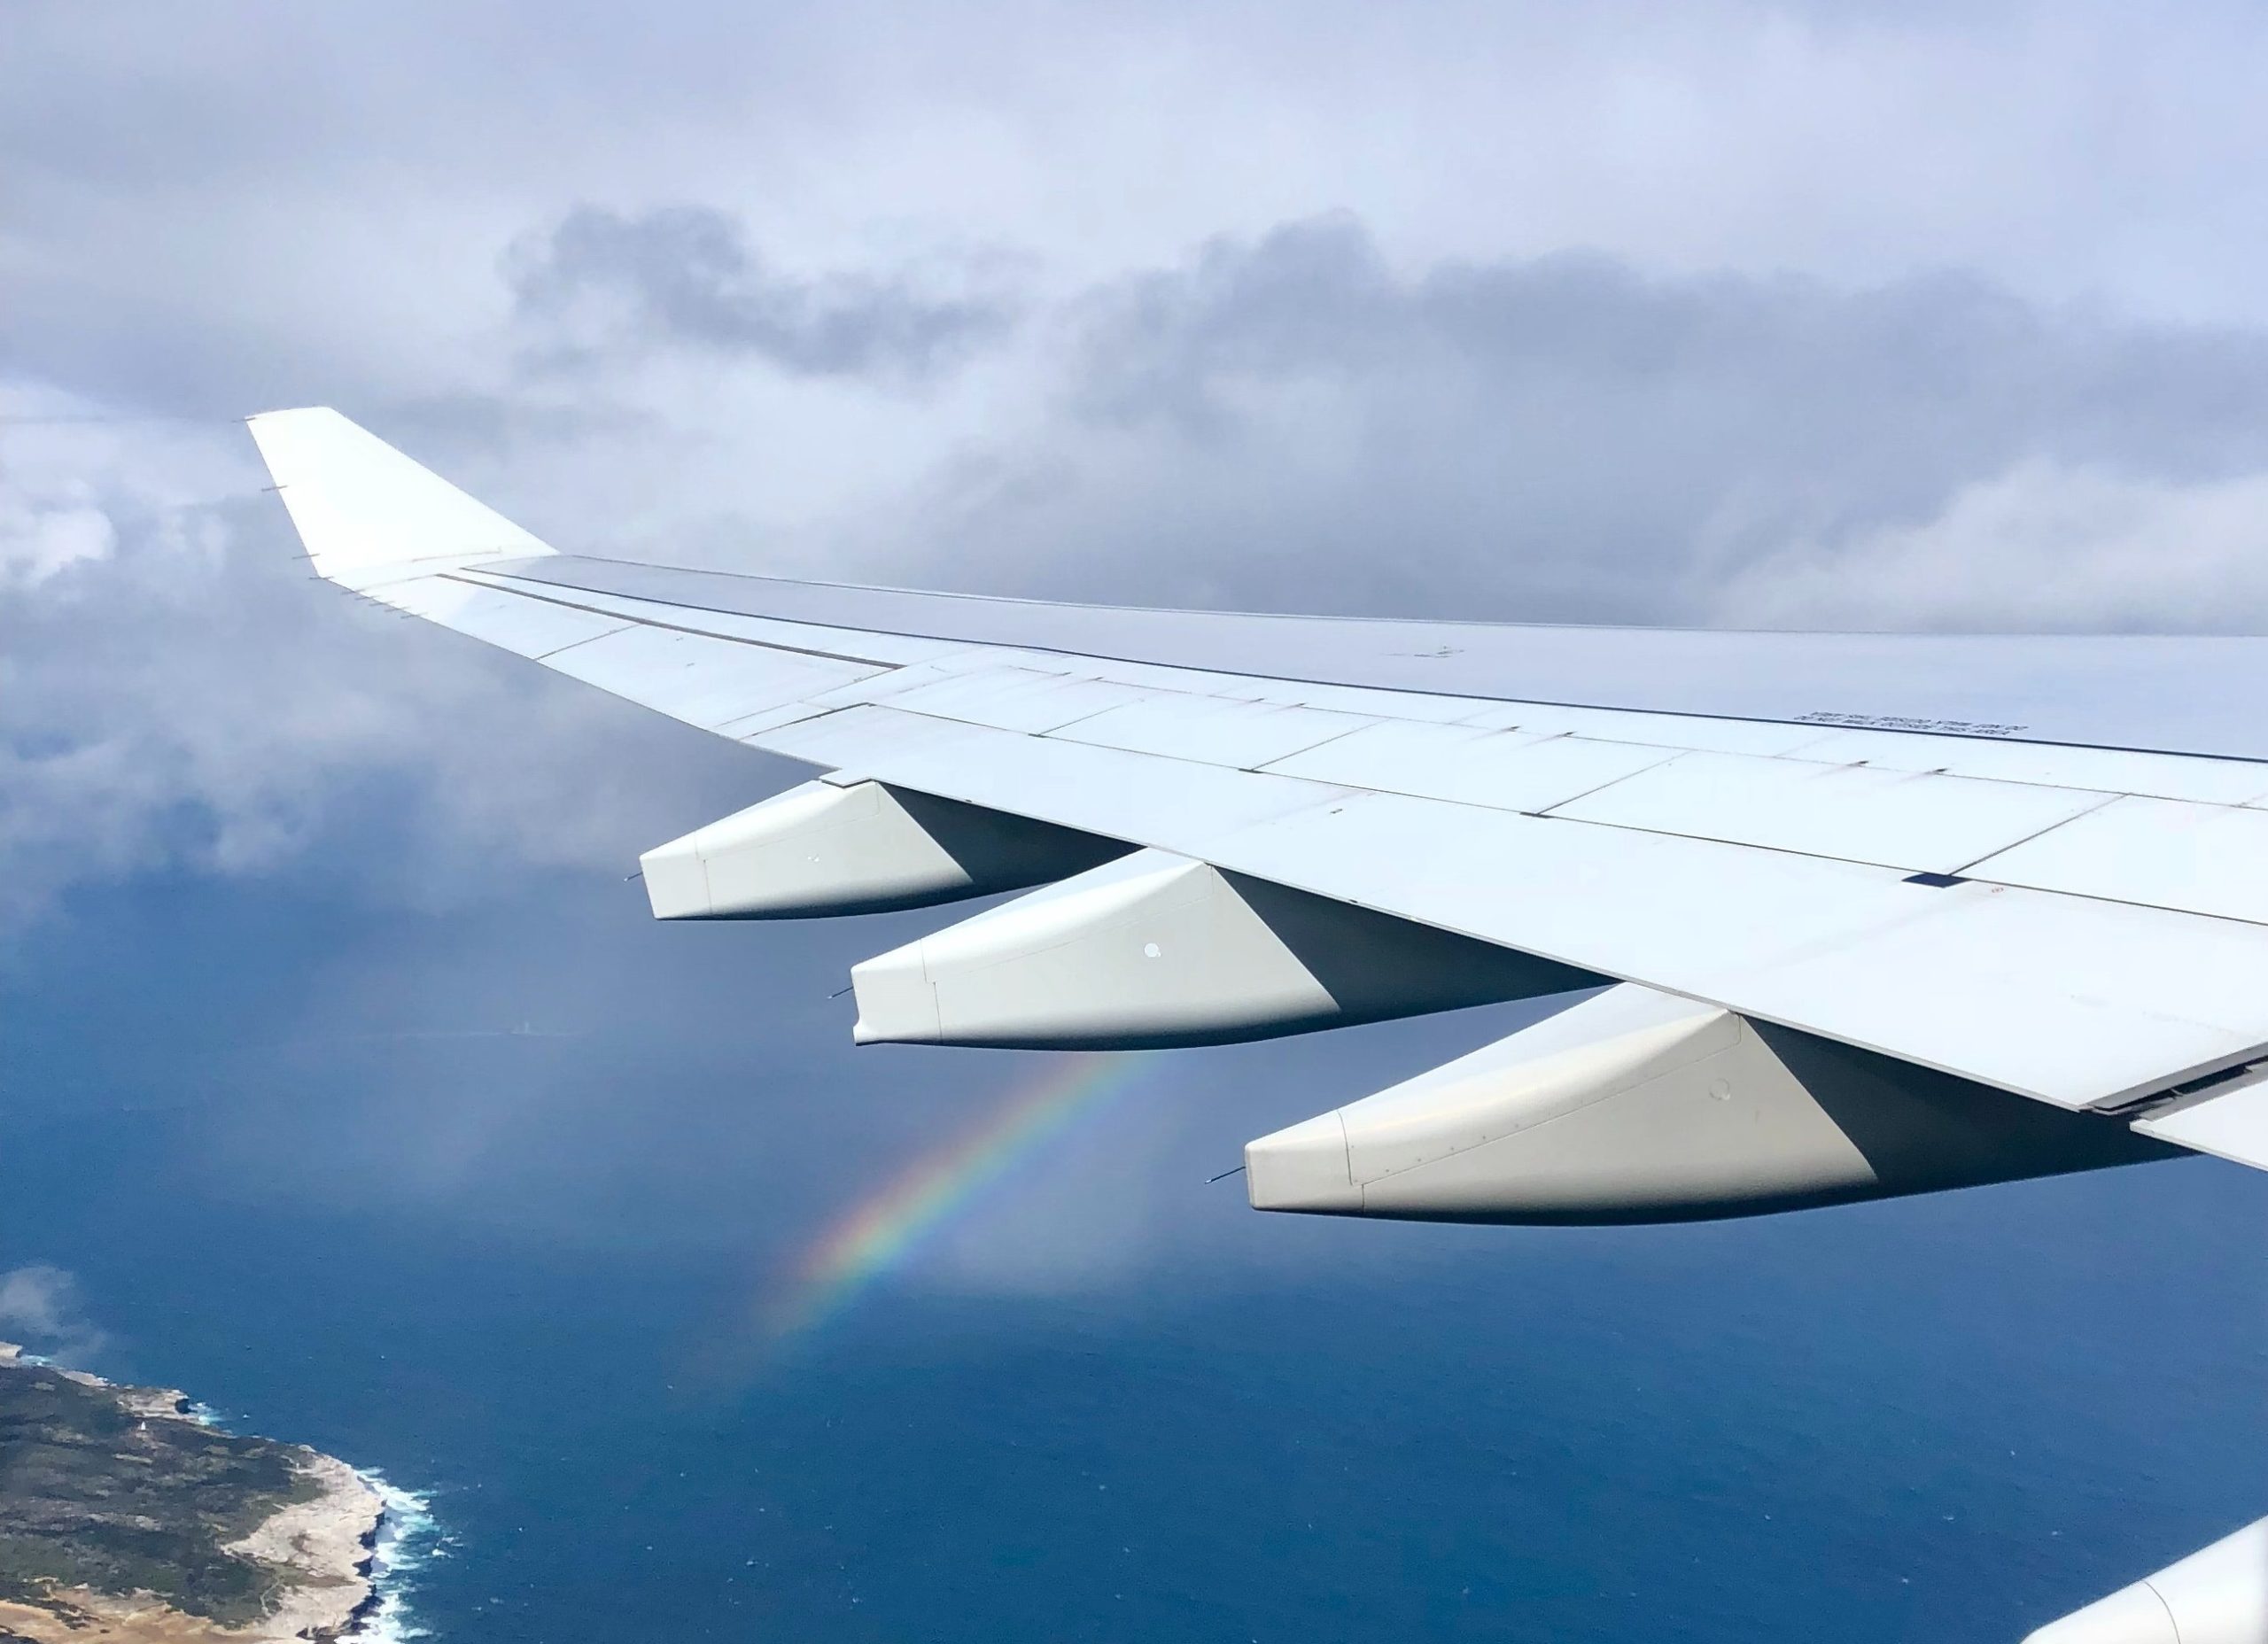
687,274
1289,421
1944,368
1292,421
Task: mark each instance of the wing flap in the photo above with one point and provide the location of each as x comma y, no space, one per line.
2165,853
1894,819
2098,770
1007,698
528,627
1501,770
1212,730
2229,1121
1143,798
702,680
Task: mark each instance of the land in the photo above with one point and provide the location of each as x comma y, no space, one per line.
123,1519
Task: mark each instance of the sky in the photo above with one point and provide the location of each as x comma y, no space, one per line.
1763,314
1716,313
1759,315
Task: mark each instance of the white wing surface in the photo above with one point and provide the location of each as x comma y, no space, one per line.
2036,865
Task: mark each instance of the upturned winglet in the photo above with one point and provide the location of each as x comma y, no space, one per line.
362,506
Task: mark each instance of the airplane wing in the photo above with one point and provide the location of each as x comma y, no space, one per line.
1871,913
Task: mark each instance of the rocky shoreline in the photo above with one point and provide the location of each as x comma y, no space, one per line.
120,1533
329,1541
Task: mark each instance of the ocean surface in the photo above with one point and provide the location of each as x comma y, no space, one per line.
689,1321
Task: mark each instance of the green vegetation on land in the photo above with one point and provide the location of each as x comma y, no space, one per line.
94,1494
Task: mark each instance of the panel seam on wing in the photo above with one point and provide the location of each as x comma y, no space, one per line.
671,627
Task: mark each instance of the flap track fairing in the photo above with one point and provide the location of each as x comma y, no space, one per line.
846,846
1158,949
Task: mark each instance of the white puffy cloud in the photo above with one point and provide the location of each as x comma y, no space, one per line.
41,535
189,695
42,1304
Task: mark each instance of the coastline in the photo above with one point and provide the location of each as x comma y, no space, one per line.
322,1552
331,1541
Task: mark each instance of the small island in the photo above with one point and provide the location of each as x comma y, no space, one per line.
123,1518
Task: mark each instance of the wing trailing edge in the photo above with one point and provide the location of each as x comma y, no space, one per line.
1393,817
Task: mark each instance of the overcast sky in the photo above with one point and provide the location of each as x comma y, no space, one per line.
1718,312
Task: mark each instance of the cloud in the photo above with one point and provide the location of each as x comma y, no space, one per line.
687,275
2043,546
43,535
42,1304
1293,421
1287,421
345,177
182,694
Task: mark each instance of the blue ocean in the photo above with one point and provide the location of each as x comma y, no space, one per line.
690,1322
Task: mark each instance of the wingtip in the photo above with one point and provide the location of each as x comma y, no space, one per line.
290,413
360,505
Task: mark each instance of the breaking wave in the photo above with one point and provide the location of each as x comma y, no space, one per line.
410,1537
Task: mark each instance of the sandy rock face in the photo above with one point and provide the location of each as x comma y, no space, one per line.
327,1540
79,1616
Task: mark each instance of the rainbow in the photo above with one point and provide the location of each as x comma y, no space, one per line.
882,1232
